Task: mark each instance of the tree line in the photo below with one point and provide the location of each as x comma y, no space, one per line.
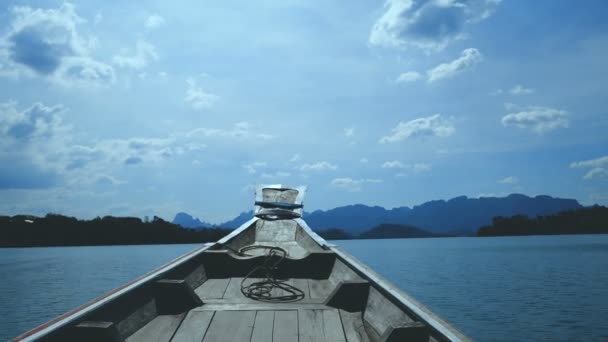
590,220
59,230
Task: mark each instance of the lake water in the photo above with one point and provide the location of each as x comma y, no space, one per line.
537,288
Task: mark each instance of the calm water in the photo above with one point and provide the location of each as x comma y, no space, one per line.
493,289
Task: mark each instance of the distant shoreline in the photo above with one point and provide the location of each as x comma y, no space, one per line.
22,231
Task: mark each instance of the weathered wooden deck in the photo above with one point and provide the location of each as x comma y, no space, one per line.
256,322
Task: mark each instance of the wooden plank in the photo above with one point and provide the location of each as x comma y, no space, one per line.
280,292
320,289
160,329
235,326
263,326
332,326
352,323
311,325
285,326
212,288
194,327
259,306
233,290
302,284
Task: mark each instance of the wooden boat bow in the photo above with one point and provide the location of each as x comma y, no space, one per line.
236,290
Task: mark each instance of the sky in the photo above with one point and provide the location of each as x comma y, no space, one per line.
153,107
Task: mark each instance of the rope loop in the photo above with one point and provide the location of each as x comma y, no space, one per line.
262,290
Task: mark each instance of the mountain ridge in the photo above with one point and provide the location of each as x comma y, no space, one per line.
459,214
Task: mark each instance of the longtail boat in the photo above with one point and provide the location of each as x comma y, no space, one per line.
272,279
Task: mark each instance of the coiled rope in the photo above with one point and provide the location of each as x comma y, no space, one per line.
262,290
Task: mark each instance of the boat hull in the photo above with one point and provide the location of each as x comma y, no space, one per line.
202,296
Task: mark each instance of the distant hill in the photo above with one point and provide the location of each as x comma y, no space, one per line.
460,214
238,221
457,216
395,231
187,221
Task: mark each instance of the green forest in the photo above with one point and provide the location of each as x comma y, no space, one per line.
59,230
591,220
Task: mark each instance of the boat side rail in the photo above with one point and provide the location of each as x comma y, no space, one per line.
401,299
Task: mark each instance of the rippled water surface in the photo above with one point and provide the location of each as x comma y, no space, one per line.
552,288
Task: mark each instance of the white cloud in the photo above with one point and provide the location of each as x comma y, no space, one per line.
597,162
46,43
433,125
395,164
468,59
597,172
537,119
240,131
352,185
349,132
154,21
598,167
318,166
409,76
294,158
253,167
278,174
144,53
520,90
427,25
363,160
197,97
509,180
420,167
416,167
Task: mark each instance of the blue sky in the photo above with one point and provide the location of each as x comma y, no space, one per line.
150,107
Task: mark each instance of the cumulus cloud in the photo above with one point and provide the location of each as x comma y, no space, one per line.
509,180
240,131
427,25
597,172
294,158
352,185
409,76
468,59
29,140
597,162
520,90
537,119
318,166
416,167
154,21
35,122
598,167
133,160
278,174
253,167
434,125
395,164
46,43
138,59
197,98
349,132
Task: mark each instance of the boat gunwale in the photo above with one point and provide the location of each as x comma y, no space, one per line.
69,316
400,297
